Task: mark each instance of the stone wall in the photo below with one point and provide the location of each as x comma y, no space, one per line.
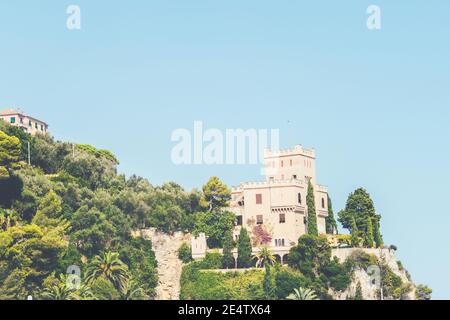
169,266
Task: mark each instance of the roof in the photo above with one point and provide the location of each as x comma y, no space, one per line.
8,112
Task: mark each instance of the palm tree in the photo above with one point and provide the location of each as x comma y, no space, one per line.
132,291
58,291
265,256
302,294
110,267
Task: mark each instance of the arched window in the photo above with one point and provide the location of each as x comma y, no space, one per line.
300,198
323,203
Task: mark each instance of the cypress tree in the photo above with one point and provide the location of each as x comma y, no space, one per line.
377,235
358,292
368,237
330,221
268,284
312,218
244,259
354,236
227,258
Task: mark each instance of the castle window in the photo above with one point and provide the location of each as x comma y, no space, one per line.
13,120
282,218
282,164
30,124
21,120
300,198
323,203
294,177
290,163
259,198
42,127
36,125
239,220
259,219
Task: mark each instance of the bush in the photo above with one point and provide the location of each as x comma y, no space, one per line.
286,280
185,253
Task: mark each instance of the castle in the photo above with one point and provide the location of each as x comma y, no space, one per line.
277,207
274,211
26,123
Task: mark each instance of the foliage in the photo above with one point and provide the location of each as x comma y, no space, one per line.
330,221
244,259
261,236
358,292
216,194
312,217
354,239
109,267
185,253
423,292
286,280
269,283
360,211
368,239
302,294
228,259
9,154
265,257
215,224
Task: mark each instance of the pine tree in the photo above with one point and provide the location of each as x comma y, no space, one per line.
354,236
330,221
244,259
312,218
227,258
368,237
377,235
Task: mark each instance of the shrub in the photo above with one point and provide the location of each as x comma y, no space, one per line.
185,253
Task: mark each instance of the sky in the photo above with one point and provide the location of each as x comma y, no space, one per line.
375,104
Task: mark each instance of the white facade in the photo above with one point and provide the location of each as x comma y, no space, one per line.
277,207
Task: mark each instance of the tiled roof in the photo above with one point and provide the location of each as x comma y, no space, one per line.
8,112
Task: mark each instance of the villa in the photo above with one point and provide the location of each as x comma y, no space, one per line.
27,123
274,211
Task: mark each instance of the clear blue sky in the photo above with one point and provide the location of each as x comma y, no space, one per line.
374,104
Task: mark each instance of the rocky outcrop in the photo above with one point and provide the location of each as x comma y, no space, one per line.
166,247
368,288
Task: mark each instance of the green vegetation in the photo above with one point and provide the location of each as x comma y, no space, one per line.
330,221
312,217
302,294
71,208
244,259
360,218
185,253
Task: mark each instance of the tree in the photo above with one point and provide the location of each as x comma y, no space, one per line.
244,259
368,240
312,217
91,231
269,284
310,255
109,267
31,254
215,224
423,292
358,292
227,258
49,211
302,294
216,194
185,253
265,257
9,154
330,222
377,235
354,234
359,206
